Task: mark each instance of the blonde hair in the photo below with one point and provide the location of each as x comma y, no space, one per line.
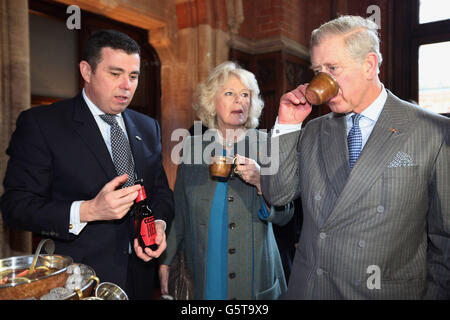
204,106
360,35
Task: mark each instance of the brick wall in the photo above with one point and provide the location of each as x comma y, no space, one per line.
190,14
272,18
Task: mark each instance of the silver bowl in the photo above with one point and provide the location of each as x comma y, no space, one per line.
110,291
23,288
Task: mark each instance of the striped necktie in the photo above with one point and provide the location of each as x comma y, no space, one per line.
120,149
354,140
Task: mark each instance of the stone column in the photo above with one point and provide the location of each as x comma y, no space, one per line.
14,97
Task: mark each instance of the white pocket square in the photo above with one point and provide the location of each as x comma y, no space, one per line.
401,159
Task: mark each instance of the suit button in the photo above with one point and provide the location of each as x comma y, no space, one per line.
319,272
230,199
317,197
232,226
361,243
231,251
232,275
322,235
380,209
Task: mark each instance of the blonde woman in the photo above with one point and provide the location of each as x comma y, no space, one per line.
225,227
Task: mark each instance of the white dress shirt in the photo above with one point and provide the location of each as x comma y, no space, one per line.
369,117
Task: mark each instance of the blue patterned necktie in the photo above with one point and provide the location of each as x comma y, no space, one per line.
120,149
354,140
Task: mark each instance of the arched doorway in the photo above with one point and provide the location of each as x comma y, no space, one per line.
44,15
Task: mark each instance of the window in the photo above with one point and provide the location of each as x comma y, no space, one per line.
418,51
433,10
434,80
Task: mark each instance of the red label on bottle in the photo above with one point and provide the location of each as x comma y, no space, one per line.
141,194
148,231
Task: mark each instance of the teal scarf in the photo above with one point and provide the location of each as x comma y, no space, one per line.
217,260
216,287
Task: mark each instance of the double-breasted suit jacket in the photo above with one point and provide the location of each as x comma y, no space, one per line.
57,156
380,230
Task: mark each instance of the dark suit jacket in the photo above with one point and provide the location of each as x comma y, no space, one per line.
57,155
391,211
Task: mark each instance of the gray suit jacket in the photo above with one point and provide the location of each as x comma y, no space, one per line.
381,230
254,263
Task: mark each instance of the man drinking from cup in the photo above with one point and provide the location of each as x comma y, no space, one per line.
373,176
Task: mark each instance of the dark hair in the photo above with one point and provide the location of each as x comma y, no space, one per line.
107,39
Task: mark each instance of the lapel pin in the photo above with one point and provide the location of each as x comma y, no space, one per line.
139,138
393,130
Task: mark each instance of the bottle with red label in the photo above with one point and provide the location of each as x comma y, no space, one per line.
144,221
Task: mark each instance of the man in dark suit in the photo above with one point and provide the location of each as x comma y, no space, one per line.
375,192
64,179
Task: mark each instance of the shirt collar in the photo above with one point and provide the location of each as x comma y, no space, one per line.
96,111
373,111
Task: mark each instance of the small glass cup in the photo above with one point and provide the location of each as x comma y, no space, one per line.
221,167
